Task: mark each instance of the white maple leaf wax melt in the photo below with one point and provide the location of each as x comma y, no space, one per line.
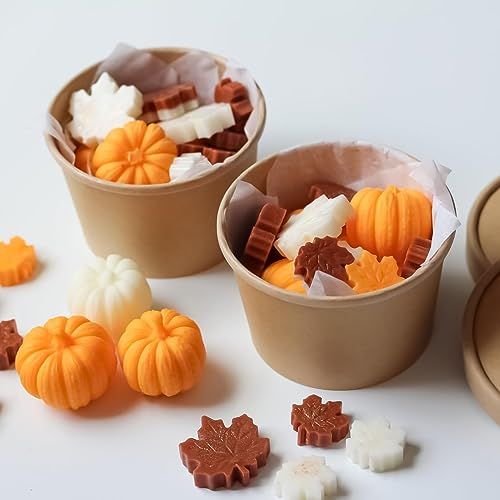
108,106
376,445
306,479
322,217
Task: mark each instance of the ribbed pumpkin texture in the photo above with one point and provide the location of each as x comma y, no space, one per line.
67,363
282,274
135,154
162,353
386,221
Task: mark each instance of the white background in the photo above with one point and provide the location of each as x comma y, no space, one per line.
421,76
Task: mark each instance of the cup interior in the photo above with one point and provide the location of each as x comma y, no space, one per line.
257,175
59,109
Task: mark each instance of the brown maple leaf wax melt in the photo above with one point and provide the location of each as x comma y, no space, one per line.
10,342
224,455
323,254
319,424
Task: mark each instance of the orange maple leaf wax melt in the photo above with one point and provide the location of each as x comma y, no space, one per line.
368,274
135,154
17,261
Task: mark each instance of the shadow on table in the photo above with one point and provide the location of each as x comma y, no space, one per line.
118,399
215,386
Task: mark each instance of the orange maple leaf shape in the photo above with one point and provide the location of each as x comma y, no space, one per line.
368,274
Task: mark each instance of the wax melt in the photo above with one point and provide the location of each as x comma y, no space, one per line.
162,352
415,256
200,123
322,217
306,479
330,190
319,424
236,95
376,445
67,363
111,292
222,456
170,102
105,108
10,342
322,254
261,238
135,154
387,220
17,261
368,274
281,274
187,162
83,158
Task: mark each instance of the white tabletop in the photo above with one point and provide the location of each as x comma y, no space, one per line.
419,76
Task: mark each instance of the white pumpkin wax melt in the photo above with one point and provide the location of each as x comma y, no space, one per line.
111,292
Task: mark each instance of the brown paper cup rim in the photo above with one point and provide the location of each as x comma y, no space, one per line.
315,301
152,189
481,386
475,249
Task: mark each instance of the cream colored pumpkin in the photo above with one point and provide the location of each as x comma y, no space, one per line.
111,292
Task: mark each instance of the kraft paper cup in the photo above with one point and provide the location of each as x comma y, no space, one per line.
335,342
169,230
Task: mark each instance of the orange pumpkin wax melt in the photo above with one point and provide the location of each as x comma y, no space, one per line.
281,274
135,154
162,353
386,221
83,158
67,363
368,274
17,262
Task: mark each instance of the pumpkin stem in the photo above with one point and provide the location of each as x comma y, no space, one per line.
135,157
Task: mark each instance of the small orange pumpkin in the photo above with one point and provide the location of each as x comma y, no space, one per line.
135,154
162,353
386,221
281,274
67,363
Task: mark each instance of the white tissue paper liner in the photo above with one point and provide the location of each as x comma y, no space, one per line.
354,165
141,68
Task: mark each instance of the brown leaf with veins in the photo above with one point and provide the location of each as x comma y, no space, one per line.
319,424
10,342
322,254
223,455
